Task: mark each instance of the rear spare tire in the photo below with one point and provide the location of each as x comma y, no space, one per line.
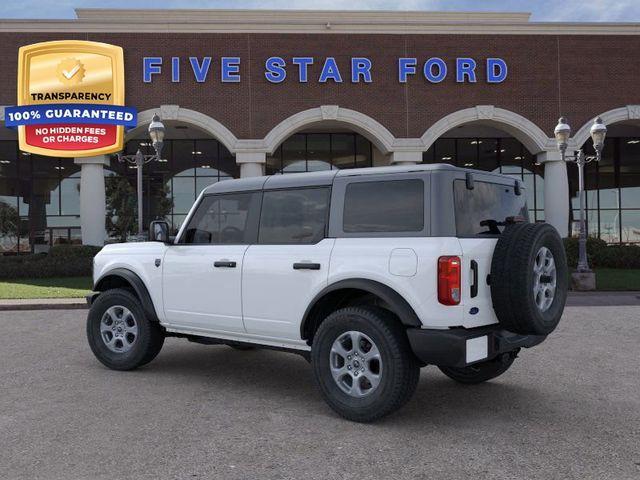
529,278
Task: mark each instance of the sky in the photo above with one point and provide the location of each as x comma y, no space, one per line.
542,10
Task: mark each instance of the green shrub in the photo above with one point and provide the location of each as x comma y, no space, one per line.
618,256
601,255
571,247
61,261
74,251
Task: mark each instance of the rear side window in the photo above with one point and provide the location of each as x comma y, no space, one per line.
231,218
385,206
485,209
295,216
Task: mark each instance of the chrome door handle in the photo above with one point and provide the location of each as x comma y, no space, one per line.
224,264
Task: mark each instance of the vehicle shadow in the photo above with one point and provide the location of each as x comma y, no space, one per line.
262,375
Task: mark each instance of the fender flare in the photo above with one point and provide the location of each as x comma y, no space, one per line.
138,286
396,302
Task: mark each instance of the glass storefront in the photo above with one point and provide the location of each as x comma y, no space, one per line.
170,187
308,152
613,191
40,196
39,200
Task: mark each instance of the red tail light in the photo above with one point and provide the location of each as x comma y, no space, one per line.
449,280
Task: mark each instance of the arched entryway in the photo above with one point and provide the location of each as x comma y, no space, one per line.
324,138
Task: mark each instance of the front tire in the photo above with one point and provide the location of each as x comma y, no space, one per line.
363,363
119,333
480,372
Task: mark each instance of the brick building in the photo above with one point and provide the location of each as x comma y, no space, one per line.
266,92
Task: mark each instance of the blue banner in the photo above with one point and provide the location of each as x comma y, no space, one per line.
70,113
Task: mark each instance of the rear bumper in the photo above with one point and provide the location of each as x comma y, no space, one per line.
459,347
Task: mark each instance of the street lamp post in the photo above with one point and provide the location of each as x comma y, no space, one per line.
562,133
156,133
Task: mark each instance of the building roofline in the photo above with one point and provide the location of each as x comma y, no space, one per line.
285,15
310,21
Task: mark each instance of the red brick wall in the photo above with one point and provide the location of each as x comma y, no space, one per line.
578,76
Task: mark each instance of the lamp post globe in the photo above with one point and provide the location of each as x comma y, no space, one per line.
562,133
598,133
156,133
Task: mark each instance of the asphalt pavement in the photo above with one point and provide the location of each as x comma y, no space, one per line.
570,408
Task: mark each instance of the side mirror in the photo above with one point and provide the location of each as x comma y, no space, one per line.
159,231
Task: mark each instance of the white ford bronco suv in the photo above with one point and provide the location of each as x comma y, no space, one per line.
370,274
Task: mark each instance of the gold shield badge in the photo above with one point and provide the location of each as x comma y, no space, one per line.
70,85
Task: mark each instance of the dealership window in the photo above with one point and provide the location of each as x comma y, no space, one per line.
612,191
171,186
39,200
308,152
501,155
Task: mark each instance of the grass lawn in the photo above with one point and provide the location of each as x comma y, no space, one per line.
617,279
70,287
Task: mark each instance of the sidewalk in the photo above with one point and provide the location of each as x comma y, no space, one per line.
603,299
575,299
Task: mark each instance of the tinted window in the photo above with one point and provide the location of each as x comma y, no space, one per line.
484,210
389,206
294,216
224,219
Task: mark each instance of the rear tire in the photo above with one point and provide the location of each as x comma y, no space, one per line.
363,363
119,333
480,372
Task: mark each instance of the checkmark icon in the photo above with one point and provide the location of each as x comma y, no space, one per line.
71,73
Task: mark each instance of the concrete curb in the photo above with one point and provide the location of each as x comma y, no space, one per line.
43,304
603,299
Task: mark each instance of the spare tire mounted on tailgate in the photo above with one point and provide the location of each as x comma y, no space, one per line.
529,278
